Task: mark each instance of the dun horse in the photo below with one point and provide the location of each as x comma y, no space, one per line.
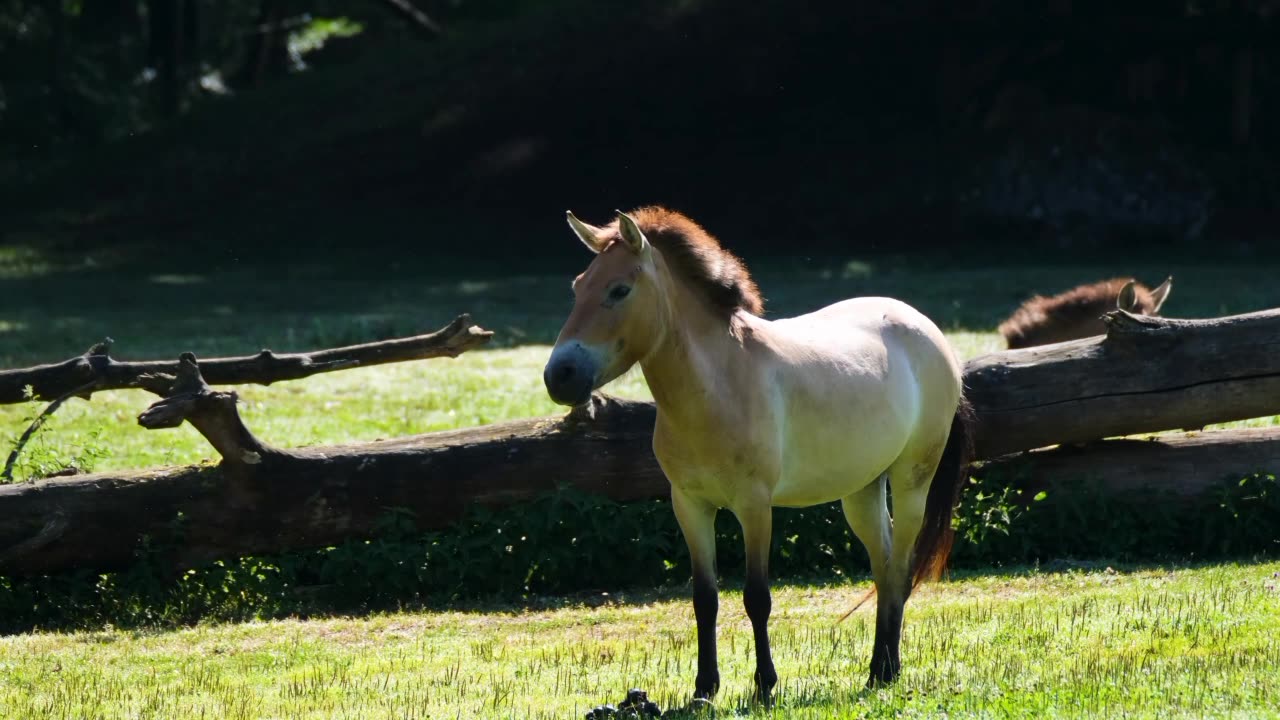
1077,313
754,414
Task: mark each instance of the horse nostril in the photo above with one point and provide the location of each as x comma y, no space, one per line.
563,373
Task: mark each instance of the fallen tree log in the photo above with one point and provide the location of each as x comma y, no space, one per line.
1147,374
1181,466
293,499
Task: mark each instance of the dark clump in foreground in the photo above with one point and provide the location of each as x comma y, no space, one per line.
636,706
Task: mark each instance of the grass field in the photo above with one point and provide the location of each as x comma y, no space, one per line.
1147,643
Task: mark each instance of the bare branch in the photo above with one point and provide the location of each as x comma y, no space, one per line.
409,11
98,369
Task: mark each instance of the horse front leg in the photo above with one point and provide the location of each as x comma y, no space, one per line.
697,522
757,533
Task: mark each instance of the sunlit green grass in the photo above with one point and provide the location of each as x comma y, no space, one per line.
1155,643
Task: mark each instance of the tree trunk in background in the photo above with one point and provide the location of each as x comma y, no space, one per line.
165,53
1242,96
191,40
268,48
57,35
117,24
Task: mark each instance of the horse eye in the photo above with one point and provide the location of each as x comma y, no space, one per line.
619,292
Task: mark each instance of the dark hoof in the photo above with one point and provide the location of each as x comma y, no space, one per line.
880,680
764,698
701,707
764,689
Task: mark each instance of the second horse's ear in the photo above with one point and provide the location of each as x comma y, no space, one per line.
1127,300
631,234
588,234
1160,294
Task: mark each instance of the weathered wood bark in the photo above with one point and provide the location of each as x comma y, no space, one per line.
1145,375
311,497
97,367
1184,464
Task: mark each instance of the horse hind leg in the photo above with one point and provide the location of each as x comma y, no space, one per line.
909,494
867,513
915,501
889,542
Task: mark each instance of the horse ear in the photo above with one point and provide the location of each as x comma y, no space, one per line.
1160,294
588,234
1127,298
631,233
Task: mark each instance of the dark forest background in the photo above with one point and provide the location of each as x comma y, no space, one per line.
464,128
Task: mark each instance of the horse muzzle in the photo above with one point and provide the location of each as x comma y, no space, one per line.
570,374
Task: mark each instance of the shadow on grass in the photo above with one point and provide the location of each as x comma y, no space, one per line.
57,305
857,585
144,619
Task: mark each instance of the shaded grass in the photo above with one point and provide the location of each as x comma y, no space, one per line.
55,307
1144,643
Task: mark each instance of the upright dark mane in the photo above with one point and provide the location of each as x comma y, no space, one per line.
699,259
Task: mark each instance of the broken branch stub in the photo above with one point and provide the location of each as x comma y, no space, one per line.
211,412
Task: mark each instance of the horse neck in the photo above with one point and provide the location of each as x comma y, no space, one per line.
691,367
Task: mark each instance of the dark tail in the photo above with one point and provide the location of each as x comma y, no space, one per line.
933,545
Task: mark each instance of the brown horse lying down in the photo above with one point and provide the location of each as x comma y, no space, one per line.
1077,313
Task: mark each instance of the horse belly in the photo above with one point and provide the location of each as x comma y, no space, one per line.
828,484
840,434
837,460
